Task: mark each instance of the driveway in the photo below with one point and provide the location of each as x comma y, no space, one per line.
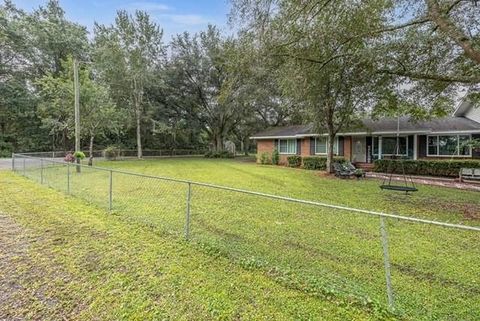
5,163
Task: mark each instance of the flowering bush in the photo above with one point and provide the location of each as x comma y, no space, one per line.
69,158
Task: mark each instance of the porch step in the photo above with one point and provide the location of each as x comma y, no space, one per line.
368,167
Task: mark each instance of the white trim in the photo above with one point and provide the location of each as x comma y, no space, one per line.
452,132
459,105
415,147
275,137
457,150
380,144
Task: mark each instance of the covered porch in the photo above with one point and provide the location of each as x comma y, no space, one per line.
368,148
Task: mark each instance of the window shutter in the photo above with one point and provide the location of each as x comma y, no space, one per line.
340,146
312,145
299,146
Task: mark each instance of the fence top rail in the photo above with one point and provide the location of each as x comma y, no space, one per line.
121,149
266,195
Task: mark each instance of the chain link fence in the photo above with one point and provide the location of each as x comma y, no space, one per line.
123,153
415,268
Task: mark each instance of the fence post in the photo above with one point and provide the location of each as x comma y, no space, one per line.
386,262
187,218
41,170
110,195
13,162
68,177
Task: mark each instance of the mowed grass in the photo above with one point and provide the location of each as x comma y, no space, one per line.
62,259
325,253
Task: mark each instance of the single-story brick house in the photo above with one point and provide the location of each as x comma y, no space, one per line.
376,139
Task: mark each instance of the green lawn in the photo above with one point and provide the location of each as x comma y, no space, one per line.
330,256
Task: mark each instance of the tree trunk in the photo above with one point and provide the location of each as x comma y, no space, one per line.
138,116
246,146
139,132
331,142
90,151
452,31
219,142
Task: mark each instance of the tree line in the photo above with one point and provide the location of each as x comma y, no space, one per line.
328,63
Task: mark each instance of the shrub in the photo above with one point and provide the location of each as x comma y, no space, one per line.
111,153
275,157
6,148
264,158
447,168
79,155
220,154
294,161
315,163
318,163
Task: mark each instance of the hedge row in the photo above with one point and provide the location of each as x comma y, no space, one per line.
447,168
308,162
318,163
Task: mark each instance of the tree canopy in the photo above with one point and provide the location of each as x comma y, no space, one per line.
324,62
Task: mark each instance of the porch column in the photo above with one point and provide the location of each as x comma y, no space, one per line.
415,146
379,147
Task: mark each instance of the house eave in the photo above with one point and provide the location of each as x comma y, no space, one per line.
404,132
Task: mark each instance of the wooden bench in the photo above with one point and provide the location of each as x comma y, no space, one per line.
470,174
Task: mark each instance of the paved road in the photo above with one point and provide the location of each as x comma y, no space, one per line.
5,163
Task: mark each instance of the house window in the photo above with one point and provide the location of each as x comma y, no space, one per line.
389,145
288,146
321,145
448,145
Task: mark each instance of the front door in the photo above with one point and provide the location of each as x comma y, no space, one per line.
359,149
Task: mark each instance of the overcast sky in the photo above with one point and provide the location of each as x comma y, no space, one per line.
173,16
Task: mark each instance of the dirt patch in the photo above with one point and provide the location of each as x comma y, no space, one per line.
30,284
13,248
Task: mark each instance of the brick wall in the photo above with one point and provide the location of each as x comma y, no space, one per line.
265,146
268,145
305,151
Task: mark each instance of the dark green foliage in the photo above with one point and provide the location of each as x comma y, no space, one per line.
6,149
111,153
448,168
219,154
318,163
294,161
275,157
315,163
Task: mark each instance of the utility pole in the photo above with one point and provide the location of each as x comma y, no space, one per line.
77,110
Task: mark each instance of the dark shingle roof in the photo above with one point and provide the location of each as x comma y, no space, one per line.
286,131
384,125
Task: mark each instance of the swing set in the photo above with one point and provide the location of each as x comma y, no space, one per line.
408,184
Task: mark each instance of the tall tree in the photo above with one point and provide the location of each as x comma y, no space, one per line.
431,49
326,55
31,45
99,116
200,79
128,53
